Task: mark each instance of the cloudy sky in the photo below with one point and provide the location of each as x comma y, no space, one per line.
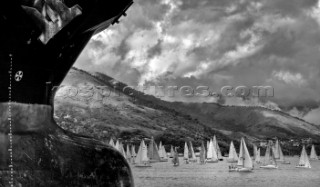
217,43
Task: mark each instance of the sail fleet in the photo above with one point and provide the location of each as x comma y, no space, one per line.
211,153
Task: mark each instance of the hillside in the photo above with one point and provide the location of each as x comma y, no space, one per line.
95,105
84,108
258,122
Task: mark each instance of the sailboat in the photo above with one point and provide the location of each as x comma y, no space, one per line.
313,154
202,154
304,160
186,153
269,158
233,156
175,159
171,152
117,145
281,156
123,152
216,146
245,163
111,142
128,154
211,154
162,153
258,158
193,155
142,159
153,153
133,153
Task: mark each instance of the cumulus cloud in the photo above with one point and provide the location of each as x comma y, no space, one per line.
215,43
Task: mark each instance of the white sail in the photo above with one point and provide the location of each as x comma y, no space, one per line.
160,150
153,152
210,150
232,152
214,153
304,160
111,142
193,155
244,156
186,151
117,146
133,151
313,154
267,155
142,154
128,154
217,148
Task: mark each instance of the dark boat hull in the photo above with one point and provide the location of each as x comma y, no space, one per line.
46,155
40,41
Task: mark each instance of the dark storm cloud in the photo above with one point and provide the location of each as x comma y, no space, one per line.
215,43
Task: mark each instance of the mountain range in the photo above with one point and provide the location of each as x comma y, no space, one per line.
96,105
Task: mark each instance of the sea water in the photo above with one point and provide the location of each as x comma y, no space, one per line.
163,174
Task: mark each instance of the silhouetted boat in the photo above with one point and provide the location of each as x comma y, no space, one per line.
40,41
